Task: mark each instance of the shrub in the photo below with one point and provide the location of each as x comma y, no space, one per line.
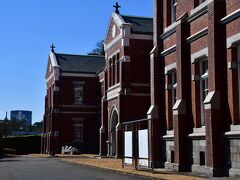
22,144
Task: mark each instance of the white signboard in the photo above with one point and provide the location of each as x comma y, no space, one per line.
143,147
128,147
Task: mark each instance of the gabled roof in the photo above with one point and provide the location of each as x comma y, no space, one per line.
80,63
139,25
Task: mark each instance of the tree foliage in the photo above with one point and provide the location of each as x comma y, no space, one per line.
99,49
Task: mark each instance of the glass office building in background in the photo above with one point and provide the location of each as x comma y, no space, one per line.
22,115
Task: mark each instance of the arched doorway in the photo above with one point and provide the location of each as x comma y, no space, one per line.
113,136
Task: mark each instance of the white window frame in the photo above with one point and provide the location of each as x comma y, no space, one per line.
174,87
173,10
203,86
78,124
78,92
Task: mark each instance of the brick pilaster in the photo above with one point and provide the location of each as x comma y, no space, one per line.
157,124
104,128
182,108
216,101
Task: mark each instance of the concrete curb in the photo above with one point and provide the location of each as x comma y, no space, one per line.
111,170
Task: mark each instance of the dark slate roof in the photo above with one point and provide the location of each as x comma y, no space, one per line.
80,63
140,25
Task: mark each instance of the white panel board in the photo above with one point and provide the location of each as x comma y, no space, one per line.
128,146
143,162
143,143
128,161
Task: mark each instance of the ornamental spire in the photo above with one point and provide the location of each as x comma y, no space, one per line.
117,8
52,48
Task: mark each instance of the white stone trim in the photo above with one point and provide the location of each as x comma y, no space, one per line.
113,87
197,35
50,77
107,46
169,134
232,16
169,50
101,80
78,75
170,67
179,107
234,130
232,65
113,93
233,41
198,132
125,59
170,27
212,101
114,54
199,8
102,129
152,112
53,59
195,57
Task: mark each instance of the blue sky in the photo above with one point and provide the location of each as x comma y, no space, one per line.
29,27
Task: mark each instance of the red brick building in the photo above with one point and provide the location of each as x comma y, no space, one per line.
126,78
195,85
72,104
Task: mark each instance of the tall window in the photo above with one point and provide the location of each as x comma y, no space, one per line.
203,86
174,87
173,10
78,129
171,95
78,92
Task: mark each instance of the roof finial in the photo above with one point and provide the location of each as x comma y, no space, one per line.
116,8
52,48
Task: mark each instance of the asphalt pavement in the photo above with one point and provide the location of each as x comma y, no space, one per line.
30,168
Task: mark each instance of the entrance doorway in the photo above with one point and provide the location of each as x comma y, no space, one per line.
113,135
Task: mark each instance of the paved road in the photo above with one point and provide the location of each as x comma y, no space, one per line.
29,168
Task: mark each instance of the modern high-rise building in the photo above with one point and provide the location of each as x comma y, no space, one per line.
22,115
